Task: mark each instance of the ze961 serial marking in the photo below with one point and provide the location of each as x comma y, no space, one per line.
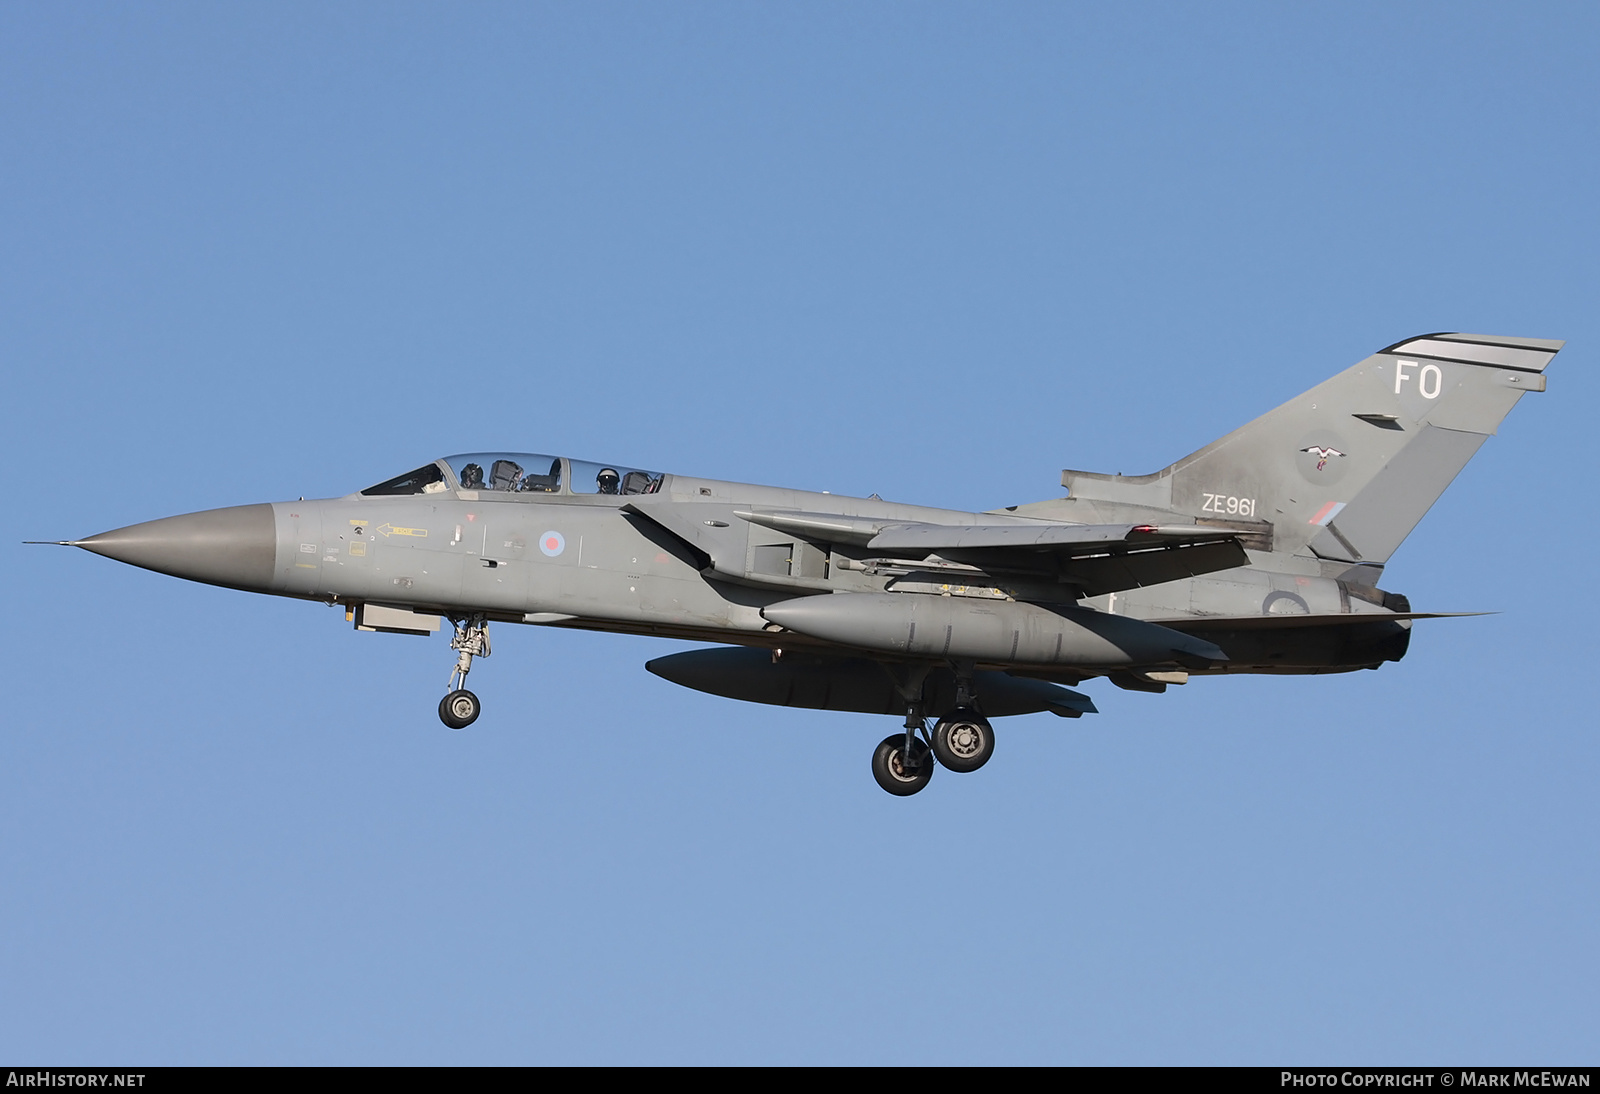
1228,504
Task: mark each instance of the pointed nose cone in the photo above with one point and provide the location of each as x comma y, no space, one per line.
233,547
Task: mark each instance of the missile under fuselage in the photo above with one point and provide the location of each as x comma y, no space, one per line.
990,631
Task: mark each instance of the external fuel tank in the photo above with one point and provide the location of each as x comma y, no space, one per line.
990,631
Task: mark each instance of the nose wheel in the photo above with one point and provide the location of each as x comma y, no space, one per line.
461,708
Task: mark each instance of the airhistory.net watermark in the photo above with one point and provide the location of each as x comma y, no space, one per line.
44,1077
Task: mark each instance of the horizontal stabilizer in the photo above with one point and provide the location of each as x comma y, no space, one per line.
1114,572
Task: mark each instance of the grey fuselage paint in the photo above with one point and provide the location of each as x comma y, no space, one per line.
589,562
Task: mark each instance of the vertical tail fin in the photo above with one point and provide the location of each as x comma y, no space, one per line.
1350,467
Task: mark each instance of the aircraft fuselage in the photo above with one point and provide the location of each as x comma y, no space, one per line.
680,562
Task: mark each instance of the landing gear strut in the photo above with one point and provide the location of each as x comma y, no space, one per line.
902,763
963,740
461,708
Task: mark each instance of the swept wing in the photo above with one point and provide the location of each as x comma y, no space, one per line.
1094,558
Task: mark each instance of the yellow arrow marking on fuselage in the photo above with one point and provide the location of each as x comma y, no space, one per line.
391,530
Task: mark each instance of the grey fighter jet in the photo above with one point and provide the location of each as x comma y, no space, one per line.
1260,553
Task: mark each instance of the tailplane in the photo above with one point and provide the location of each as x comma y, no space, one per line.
1350,467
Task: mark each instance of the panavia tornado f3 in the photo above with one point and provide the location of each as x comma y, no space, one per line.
1260,553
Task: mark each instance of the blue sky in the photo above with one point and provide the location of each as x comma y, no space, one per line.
935,251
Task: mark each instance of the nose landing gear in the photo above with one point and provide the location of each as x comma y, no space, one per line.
461,708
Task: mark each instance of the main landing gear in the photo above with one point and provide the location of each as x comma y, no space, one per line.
461,708
903,762
962,741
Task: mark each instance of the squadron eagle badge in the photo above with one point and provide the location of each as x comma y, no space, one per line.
1322,454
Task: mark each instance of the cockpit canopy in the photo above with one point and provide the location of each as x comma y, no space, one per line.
519,473
612,478
508,472
424,480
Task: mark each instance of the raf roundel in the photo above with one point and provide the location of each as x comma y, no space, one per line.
552,543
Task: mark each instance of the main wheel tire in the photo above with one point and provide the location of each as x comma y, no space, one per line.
963,741
459,709
893,773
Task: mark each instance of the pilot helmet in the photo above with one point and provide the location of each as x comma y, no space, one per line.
607,479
